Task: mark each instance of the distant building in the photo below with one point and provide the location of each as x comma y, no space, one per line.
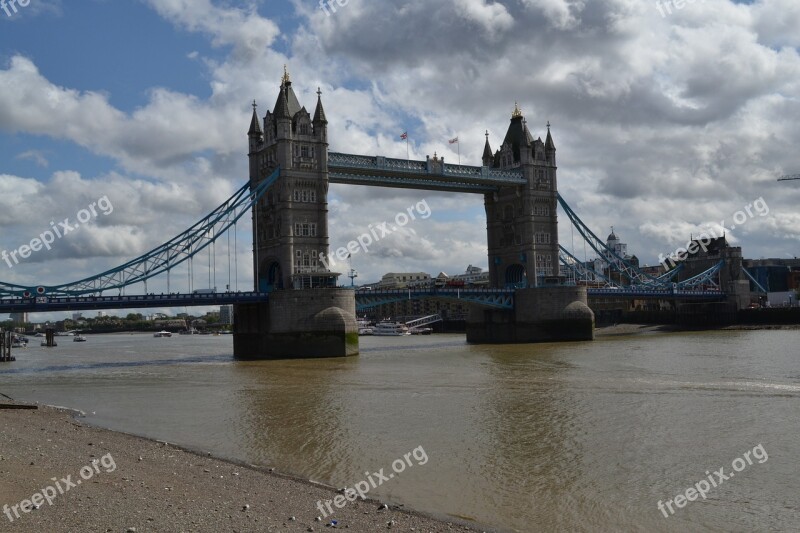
76,316
401,280
226,314
19,318
448,309
608,264
774,275
171,323
473,276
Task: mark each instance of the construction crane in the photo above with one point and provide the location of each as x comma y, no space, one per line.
789,177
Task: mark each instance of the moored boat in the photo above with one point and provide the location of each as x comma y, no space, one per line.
162,334
390,329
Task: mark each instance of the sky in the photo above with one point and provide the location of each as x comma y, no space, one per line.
667,121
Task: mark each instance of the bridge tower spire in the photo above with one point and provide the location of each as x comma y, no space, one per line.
521,221
306,315
291,223
488,158
255,134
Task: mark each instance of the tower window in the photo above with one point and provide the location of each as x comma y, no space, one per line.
304,195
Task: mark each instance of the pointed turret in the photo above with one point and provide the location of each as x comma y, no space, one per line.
281,105
515,136
549,144
319,113
528,137
255,124
550,147
488,157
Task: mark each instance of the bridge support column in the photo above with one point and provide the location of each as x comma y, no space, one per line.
544,314
297,324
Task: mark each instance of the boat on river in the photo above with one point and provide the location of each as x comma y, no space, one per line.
390,329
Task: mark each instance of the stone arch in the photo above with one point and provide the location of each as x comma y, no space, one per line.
515,275
270,275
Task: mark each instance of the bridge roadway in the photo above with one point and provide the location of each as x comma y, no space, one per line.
46,304
497,298
379,171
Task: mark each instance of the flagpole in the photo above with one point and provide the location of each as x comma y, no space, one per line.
407,158
459,151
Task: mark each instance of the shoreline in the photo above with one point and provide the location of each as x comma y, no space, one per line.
623,329
159,486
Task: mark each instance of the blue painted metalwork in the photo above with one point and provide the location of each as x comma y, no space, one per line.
703,278
631,272
504,298
387,172
497,298
642,293
79,303
408,182
343,168
163,258
757,284
581,269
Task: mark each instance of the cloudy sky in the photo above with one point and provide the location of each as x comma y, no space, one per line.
666,120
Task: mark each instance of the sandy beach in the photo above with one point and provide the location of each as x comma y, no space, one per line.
91,479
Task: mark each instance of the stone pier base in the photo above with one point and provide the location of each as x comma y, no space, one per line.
297,324
544,314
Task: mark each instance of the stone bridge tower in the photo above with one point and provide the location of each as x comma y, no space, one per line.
522,228
522,222
290,223
306,315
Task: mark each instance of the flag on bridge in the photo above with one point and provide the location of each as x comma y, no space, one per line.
404,136
454,140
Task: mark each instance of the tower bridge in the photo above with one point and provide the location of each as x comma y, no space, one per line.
519,186
297,307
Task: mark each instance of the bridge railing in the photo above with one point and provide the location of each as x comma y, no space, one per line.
433,290
337,160
133,299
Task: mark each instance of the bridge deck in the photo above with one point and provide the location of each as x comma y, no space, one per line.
382,171
502,298
79,303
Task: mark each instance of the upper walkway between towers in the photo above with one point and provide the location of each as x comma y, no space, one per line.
431,174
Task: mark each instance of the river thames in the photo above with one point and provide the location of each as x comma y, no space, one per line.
570,436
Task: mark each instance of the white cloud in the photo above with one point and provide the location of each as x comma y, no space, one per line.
663,124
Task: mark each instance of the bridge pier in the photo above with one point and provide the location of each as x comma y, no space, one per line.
297,324
546,314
